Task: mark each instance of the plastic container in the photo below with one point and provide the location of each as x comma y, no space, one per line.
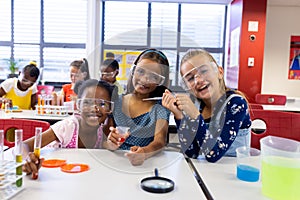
248,164
280,170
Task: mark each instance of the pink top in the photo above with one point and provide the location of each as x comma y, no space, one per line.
67,132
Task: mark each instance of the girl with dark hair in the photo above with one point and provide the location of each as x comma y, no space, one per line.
148,120
109,71
79,70
22,90
83,130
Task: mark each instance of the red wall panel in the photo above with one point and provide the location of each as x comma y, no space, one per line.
249,78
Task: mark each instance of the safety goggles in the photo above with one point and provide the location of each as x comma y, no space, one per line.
151,77
76,75
107,74
90,104
24,80
188,79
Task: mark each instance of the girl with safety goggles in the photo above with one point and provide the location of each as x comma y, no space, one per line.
81,130
219,121
147,120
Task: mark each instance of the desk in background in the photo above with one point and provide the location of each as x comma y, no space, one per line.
287,107
292,105
221,182
110,177
31,114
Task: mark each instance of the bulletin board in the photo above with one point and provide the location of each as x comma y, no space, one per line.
294,61
125,60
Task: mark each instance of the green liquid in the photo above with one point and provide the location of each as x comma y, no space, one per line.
281,178
19,170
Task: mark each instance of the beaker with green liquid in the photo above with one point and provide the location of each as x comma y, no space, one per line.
280,169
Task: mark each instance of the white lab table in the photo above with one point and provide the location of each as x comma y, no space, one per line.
110,177
30,114
222,183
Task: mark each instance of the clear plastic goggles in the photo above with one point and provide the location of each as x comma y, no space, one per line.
90,104
76,75
24,80
189,78
107,74
151,77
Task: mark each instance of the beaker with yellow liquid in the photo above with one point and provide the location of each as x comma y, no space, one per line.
280,171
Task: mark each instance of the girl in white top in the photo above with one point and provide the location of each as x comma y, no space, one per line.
82,130
22,90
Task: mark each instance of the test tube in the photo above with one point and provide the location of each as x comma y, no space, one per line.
37,141
37,146
1,146
43,111
18,153
39,104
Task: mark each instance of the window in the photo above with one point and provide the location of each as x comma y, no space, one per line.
133,26
65,32
125,23
202,25
52,32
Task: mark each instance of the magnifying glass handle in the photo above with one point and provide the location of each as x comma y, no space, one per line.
156,172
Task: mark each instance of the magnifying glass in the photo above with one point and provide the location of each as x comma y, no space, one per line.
157,184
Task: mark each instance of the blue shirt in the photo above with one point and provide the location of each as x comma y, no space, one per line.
142,128
227,129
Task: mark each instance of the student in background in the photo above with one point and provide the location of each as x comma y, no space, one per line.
109,71
110,55
79,70
220,122
22,90
148,120
83,130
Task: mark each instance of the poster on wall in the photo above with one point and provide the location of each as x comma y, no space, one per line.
294,62
125,60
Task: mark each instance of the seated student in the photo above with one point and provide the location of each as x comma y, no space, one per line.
109,71
148,120
22,90
82,130
78,71
221,122
110,55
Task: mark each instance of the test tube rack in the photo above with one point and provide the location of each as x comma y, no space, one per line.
50,110
8,178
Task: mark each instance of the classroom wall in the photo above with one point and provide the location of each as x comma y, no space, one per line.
281,23
248,78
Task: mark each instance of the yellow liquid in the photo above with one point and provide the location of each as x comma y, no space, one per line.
37,152
281,178
19,170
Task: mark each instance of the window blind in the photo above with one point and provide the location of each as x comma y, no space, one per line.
5,20
65,35
53,35
164,18
65,21
202,25
125,23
